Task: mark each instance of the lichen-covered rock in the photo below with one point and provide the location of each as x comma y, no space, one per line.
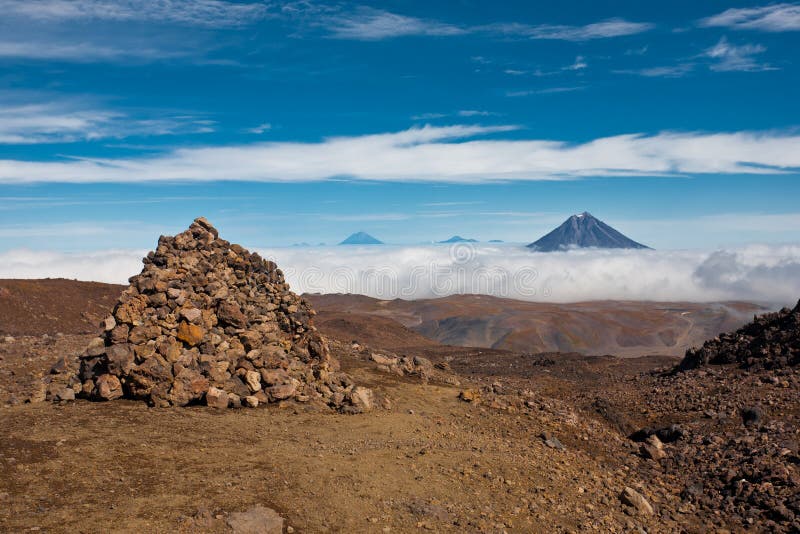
208,321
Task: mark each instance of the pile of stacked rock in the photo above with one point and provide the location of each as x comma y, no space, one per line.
206,321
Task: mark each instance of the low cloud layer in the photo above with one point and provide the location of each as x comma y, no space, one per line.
758,272
453,154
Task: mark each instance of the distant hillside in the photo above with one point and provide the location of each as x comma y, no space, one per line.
50,306
603,327
582,231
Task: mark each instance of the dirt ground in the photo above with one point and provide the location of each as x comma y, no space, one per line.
543,447
431,462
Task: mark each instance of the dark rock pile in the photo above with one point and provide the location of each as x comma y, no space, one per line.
206,321
771,341
735,455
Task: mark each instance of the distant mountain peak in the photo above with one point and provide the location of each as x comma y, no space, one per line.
583,230
361,238
459,239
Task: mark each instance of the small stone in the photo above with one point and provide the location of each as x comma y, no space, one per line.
109,323
751,415
97,346
552,441
39,394
61,365
381,359
633,498
230,313
234,400
253,380
257,520
251,401
652,448
281,392
362,398
9,339
191,334
274,377
108,387
193,315
64,395
469,395
216,398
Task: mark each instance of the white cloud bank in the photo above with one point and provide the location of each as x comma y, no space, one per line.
436,154
765,273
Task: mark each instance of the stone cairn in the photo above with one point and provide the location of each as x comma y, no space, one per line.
206,321
771,341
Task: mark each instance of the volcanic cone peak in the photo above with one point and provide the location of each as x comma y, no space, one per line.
771,341
581,231
208,321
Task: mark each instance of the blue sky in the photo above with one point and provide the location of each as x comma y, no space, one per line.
288,122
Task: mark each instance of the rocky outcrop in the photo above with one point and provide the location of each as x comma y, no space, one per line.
206,321
771,341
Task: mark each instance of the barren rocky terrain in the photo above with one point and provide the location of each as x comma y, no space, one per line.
475,440
597,328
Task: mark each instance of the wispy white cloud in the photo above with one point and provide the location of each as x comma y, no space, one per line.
79,52
466,113
474,113
599,30
637,51
428,116
260,129
770,18
359,217
546,91
117,31
67,122
454,203
448,154
579,64
767,273
722,57
369,24
730,57
666,71
208,13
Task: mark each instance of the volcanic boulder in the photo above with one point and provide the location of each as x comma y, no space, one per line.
207,321
771,341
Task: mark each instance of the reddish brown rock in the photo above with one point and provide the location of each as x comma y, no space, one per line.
191,334
216,398
281,392
108,387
